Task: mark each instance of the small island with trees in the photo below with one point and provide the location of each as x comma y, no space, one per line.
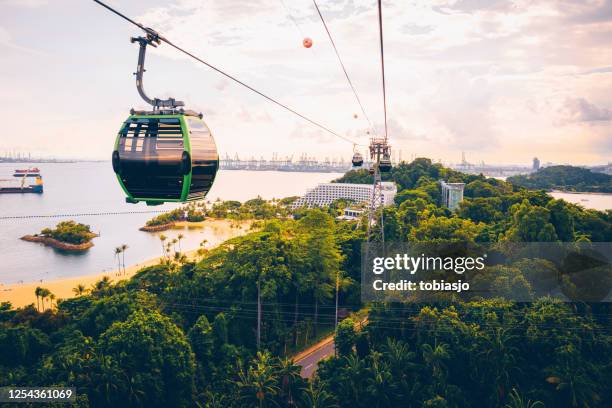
565,178
67,236
253,209
190,213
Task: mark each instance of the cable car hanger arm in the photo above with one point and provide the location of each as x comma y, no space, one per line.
153,39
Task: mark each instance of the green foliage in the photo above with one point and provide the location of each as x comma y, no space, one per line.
22,345
345,337
436,229
69,232
484,210
480,188
166,218
530,224
474,354
154,355
567,178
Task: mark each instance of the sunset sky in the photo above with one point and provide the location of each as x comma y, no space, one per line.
503,81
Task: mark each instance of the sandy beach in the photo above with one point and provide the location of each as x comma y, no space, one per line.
22,294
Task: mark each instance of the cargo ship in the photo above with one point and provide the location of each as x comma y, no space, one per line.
23,181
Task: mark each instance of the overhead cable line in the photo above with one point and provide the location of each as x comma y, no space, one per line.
220,71
292,18
382,63
331,40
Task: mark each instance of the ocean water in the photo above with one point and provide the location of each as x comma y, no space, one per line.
91,187
599,202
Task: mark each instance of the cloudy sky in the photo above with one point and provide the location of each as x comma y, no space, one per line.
503,81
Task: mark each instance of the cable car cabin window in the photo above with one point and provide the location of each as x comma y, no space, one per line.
169,134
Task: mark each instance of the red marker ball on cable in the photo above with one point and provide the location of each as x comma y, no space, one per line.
307,42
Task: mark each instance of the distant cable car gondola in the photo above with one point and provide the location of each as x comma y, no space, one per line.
357,160
167,154
385,163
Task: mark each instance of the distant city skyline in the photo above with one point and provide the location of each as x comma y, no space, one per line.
504,81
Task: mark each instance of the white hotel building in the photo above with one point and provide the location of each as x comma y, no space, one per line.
325,193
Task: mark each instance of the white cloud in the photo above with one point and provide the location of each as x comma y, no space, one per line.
24,3
581,110
488,77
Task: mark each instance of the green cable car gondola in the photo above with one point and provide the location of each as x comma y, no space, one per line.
166,155
161,158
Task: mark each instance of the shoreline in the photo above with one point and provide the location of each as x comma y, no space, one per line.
22,294
54,243
188,224
579,192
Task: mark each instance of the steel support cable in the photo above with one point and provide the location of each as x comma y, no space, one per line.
292,18
382,63
225,74
331,40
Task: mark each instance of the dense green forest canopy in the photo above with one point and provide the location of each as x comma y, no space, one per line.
568,178
184,333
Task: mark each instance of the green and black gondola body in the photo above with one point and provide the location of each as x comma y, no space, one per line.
162,158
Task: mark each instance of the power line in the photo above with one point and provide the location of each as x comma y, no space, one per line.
331,40
220,71
382,62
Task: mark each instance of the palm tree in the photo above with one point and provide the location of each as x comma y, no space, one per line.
123,249
180,236
435,357
106,375
102,284
502,357
258,385
378,380
117,254
289,374
174,241
315,396
52,298
517,401
200,252
44,294
79,289
180,258
163,238
37,293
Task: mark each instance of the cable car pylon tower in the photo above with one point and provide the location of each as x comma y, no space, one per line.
379,154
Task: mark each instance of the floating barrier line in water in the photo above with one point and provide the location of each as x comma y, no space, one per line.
20,217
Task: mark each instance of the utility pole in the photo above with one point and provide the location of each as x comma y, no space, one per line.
337,289
258,314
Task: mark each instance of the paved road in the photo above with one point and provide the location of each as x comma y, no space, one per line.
310,361
310,358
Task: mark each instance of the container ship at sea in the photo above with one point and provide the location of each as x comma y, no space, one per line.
23,181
